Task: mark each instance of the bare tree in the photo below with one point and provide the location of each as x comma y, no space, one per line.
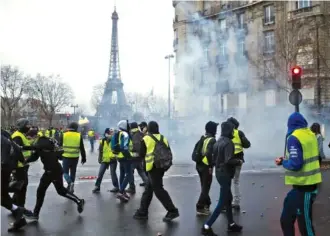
97,94
53,94
13,88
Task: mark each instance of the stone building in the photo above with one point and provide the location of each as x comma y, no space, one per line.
236,55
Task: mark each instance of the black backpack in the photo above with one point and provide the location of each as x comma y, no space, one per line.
197,155
115,146
162,154
136,140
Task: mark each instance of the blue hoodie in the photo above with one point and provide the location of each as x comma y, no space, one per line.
295,161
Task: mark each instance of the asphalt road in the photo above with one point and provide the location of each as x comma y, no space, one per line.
263,194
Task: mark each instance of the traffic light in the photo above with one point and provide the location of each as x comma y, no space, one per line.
296,72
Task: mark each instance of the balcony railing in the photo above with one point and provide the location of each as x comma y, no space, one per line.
269,20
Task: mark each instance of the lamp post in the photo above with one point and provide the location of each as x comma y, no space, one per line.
168,57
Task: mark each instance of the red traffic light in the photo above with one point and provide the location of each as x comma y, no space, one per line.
296,70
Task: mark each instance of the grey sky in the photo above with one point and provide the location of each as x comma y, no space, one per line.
72,38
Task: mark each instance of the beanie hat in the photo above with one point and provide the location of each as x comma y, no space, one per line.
211,127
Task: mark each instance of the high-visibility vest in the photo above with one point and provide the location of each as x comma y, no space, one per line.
310,173
237,142
90,133
120,155
204,150
151,144
107,154
53,133
26,142
71,144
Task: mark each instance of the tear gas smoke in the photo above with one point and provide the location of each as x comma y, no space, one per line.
265,126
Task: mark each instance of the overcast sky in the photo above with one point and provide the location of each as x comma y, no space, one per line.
72,38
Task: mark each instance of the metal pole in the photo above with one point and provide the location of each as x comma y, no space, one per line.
169,88
318,81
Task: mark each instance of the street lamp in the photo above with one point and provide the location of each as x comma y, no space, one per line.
74,108
168,57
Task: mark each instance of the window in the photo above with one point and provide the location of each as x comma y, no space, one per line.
269,14
222,24
269,41
269,69
240,19
222,49
303,3
241,48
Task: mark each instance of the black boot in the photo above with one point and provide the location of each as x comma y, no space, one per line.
171,215
234,227
208,232
139,215
97,189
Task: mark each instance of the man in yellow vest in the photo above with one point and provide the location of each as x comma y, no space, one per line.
302,173
91,138
240,141
21,172
73,145
155,183
202,155
107,159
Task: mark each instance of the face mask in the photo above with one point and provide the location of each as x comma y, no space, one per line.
107,135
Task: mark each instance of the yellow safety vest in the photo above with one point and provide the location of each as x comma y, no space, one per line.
107,152
204,149
71,144
53,133
26,142
151,144
237,142
91,133
310,173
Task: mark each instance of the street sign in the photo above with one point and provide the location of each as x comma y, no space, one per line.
295,97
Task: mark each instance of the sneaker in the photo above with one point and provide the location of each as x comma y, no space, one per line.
96,189
142,184
114,190
171,215
131,190
234,227
122,197
27,213
236,207
34,217
208,232
17,225
140,215
204,212
81,205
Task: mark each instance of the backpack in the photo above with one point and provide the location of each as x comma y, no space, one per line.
115,146
197,155
162,154
136,140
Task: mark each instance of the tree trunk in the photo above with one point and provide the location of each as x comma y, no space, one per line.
50,119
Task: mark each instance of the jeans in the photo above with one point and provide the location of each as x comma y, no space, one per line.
224,200
137,165
125,174
298,205
46,179
155,185
91,141
235,186
206,180
103,167
21,174
70,164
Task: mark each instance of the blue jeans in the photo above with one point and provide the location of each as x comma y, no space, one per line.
70,164
103,167
125,174
298,205
92,144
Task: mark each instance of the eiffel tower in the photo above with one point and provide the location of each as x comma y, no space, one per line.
113,105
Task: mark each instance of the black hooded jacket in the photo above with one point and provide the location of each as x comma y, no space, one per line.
10,152
223,151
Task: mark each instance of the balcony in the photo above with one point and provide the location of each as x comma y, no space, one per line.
175,44
306,11
269,20
222,60
242,30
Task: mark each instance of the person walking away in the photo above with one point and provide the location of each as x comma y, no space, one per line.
49,152
91,138
73,144
225,165
106,159
120,147
158,157
316,129
21,172
11,154
143,127
240,141
302,173
202,155
137,164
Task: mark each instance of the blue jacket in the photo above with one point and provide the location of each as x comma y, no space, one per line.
295,161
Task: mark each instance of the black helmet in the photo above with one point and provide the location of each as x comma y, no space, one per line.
73,125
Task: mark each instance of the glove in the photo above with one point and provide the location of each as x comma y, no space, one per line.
83,161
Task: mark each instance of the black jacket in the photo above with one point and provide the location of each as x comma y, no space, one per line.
223,151
48,151
10,152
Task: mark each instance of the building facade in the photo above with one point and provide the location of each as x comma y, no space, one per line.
235,55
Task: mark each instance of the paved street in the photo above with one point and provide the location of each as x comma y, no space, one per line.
263,194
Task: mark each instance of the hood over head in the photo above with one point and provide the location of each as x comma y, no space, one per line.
296,121
143,124
23,125
134,125
123,125
211,127
153,127
234,122
227,130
